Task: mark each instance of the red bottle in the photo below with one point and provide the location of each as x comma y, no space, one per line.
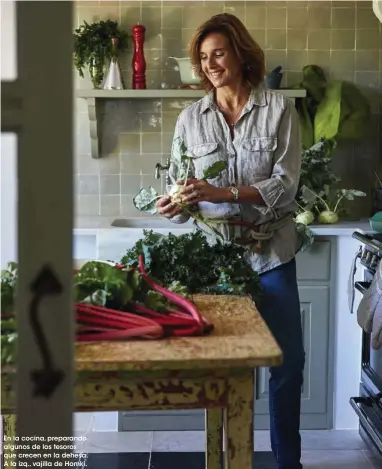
139,62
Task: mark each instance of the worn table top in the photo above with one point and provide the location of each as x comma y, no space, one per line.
240,339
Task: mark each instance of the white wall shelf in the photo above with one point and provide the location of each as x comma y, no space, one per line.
93,96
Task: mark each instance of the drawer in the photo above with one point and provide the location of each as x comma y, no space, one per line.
314,264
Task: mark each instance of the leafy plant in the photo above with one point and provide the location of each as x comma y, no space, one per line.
99,282
329,208
316,171
316,174
8,288
333,110
145,200
188,260
93,47
8,320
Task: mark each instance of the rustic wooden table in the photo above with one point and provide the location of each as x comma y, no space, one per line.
214,372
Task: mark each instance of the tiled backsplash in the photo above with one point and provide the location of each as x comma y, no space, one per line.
343,37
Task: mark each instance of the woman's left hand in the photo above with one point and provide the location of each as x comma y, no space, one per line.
196,191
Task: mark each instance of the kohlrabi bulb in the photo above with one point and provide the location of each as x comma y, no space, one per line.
327,217
306,218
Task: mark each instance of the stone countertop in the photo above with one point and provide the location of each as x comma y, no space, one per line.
240,339
92,225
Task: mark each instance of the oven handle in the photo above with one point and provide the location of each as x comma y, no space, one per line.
362,286
363,417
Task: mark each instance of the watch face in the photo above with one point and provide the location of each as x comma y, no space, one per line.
235,193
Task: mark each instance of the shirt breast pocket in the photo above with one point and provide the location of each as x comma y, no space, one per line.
257,158
203,156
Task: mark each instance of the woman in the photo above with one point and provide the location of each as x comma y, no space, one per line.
256,132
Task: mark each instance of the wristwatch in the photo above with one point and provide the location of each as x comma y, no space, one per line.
235,192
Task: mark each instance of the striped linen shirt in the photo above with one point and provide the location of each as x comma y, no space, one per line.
264,152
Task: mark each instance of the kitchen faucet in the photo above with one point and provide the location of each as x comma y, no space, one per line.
159,168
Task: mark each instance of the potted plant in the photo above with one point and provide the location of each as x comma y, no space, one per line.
94,47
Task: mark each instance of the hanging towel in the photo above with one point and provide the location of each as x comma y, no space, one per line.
351,279
369,313
376,334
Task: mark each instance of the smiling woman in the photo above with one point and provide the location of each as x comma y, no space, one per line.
223,50
255,132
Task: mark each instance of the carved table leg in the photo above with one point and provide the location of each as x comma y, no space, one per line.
9,433
214,438
238,422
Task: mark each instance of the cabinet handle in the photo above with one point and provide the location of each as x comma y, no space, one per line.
48,378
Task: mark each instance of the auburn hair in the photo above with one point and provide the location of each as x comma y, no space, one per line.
246,49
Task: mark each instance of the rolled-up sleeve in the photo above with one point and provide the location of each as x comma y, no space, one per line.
281,188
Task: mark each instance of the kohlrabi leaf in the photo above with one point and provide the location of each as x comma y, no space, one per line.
145,200
214,170
308,196
350,194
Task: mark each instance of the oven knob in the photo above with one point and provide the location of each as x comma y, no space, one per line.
368,257
374,261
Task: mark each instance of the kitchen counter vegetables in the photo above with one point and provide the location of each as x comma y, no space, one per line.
146,296
188,262
328,203
145,200
112,302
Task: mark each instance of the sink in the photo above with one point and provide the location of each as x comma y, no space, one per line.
148,223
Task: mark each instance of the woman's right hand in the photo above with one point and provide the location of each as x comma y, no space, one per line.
166,208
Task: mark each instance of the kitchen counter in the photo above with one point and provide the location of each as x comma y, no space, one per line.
93,225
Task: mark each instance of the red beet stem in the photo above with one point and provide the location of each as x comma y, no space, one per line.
147,331
173,297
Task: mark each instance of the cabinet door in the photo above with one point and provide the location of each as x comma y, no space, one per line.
314,315
315,321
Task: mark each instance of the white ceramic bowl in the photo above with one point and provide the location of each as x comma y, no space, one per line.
187,74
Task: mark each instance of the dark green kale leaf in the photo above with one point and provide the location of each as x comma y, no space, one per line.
8,319
8,288
195,264
214,170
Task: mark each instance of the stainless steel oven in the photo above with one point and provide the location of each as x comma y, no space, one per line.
368,405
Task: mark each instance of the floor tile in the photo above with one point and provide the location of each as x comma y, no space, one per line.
376,461
335,459
100,442
312,459
195,441
123,442
331,439
178,441
311,439
118,461
196,460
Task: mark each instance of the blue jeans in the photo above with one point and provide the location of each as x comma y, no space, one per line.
279,306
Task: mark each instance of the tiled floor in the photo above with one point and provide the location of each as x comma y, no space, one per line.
337,449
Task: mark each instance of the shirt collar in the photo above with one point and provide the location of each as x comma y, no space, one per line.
256,97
